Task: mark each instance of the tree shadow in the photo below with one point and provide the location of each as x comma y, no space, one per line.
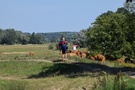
72,70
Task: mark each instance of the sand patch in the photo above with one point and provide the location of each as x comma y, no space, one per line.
15,53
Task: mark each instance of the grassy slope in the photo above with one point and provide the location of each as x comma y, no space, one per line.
18,74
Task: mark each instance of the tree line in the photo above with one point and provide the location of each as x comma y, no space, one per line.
54,36
12,36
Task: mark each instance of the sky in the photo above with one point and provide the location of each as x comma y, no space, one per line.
43,16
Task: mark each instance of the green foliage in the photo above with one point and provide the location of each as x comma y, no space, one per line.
52,37
80,38
113,34
36,39
25,39
11,36
130,6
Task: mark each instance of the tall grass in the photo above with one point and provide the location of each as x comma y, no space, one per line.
118,82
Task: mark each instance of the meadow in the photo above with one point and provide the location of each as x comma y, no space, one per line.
45,71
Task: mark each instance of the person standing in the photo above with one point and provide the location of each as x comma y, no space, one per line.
63,45
74,46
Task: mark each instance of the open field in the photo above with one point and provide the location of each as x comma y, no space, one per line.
20,71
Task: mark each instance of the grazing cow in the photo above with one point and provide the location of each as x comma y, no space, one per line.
83,55
99,57
92,58
32,53
76,51
69,51
73,54
86,52
121,60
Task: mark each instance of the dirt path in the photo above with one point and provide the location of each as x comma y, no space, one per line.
43,60
36,60
9,78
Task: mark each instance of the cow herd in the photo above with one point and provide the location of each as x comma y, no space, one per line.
98,57
86,54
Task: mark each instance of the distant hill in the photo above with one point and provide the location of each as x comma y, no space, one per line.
53,36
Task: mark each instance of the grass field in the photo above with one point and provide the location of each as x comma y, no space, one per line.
43,71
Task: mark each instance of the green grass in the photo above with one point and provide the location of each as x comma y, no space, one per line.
19,71
21,68
21,52
59,82
13,85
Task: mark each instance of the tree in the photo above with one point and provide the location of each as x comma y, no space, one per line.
108,35
130,5
36,39
80,38
9,37
25,39
1,35
130,34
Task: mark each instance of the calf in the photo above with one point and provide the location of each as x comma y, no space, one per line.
32,53
121,60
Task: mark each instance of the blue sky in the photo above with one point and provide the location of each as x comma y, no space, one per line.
42,16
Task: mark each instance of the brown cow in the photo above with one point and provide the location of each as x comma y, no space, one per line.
77,52
32,53
83,55
99,57
121,60
92,58
69,51
72,54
